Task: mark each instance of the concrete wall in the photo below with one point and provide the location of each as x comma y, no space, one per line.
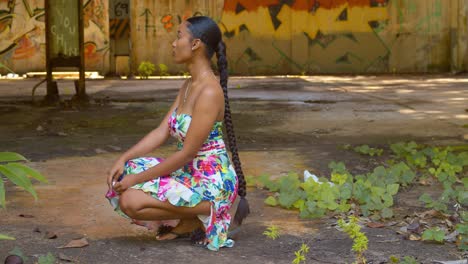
267,36
320,36
22,35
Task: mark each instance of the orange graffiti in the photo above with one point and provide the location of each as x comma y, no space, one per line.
25,49
91,55
167,22
252,5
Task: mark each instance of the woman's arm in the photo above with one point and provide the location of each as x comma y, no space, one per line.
147,144
204,115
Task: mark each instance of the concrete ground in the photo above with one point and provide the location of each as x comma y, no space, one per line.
282,125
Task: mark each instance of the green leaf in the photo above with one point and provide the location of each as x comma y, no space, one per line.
433,234
271,201
11,156
425,198
29,171
48,259
465,182
288,199
299,204
387,213
19,178
5,237
392,189
18,252
462,228
2,193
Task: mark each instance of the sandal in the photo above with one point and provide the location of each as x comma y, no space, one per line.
166,229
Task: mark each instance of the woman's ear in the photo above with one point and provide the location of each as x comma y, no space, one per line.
196,44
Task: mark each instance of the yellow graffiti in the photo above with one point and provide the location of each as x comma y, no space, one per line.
294,22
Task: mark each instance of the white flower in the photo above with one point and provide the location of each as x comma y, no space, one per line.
177,192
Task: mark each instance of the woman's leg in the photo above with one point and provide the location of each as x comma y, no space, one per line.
141,206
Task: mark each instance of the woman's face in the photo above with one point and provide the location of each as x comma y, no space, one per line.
182,45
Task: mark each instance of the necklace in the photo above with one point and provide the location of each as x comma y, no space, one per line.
189,85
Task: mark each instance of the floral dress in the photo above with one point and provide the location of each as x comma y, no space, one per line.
208,177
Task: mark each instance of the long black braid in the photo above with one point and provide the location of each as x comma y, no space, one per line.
209,33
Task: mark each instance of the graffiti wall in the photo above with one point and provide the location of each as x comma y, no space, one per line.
154,27
316,36
262,36
22,35
340,36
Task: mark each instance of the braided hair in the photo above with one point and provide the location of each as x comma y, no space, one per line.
205,29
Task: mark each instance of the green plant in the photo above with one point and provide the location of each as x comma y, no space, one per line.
5,237
19,174
18,252
272,232
434,234
366,150
47,259
360,240
145,69
408,260
300,254
372,193
405,260
462,229
163,69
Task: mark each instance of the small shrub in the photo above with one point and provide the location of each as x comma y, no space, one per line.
272,232
163,69
145,69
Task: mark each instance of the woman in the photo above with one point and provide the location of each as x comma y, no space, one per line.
197,184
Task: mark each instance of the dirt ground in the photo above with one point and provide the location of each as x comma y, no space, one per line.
282,125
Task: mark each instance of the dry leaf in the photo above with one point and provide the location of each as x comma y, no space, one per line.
65,257
76,243
414,237
50,235
433,213
414,227
26,216
375,225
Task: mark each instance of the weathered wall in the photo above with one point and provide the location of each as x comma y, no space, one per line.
354,36
22,35
266,36
317,36
154,27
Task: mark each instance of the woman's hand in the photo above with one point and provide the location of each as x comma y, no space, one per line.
124,184
114,172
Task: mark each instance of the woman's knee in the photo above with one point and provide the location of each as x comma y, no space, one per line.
127,204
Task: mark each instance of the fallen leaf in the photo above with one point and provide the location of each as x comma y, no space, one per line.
433,213
449,223
414,237
461,261
115,147
452,237
65,257
50,235
403,230
375,225
26,216
392,223
76,243
100,151
414,227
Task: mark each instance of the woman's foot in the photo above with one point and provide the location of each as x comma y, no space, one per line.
185,226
